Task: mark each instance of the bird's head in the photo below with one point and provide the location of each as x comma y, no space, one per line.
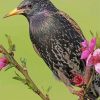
31,7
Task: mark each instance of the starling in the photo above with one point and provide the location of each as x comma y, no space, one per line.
56,38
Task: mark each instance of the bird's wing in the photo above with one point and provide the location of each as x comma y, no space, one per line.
72,22
72,36
57,38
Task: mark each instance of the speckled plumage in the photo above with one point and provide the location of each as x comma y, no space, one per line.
57,39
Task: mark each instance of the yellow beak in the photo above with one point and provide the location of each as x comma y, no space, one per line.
14,12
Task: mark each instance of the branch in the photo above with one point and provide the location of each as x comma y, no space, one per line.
23,70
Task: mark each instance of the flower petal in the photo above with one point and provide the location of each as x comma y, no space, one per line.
96,52
89,61
3,59
78,80
2,65
92,45
3,62
97,67
84,44
85,54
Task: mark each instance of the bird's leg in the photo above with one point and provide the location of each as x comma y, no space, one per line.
87,81
87,75
79,93
87,78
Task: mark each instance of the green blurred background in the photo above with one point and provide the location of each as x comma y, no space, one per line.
85,12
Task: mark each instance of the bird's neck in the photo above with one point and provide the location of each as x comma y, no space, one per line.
40,21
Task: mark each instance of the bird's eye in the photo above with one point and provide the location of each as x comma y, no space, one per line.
29,6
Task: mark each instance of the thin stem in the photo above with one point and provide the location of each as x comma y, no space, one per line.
89,83
24,71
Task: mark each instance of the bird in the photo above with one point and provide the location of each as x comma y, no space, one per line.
57,38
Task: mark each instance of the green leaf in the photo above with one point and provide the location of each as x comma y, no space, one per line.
23,61
92,34
49,89
97,40
11,45
19,78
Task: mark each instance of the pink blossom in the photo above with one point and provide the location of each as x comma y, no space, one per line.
97,67
78,80
90,60
3,62
87,48
94,60
85,44
92,57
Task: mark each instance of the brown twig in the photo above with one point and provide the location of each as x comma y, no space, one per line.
89,83
30,83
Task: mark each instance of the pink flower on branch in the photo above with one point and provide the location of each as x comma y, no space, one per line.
88,48
78,80
3,62
91,56
94,60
